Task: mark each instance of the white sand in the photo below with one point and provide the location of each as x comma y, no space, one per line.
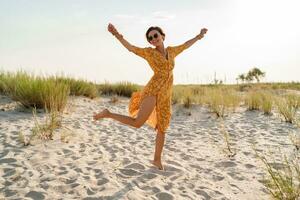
109,160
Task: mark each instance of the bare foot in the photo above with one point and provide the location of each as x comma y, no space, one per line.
102,114
158,165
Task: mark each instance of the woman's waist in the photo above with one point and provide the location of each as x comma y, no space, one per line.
163,73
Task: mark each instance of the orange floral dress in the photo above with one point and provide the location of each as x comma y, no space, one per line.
160,85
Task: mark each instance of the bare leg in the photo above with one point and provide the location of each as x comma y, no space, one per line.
145,110
160,140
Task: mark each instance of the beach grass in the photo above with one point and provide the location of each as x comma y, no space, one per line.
286,109
230,152
188,95
80,87
282,182
36,92
46,129
221,100
293,100
253,100
123,88
266,102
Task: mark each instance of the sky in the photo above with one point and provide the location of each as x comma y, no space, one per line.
70,37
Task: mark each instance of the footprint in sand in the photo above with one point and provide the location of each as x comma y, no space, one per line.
35,195
246,153
77,125
102,181
249,166
153,189
203,194
225,164
217,177
129,172
236,176
9,172
235,189
7,160
135,166
70,180
67,152
90,191
164,196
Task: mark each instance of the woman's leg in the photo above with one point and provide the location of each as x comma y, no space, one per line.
145,109
160,140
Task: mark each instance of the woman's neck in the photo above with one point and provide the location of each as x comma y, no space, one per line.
161,48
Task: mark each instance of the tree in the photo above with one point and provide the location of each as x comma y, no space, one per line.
256,73
241,77
252,74
249,77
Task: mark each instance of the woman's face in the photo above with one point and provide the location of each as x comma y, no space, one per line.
155,38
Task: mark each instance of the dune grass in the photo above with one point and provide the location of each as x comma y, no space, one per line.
246,87
188,95
286,109
2,81
253,100
282,182
45,130
221,100
229,151
267,102
33,91
36,92
260,100
123,88
80,87
293,100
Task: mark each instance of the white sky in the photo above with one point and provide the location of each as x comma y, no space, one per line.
71,37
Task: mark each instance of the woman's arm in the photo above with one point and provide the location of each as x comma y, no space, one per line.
119,36
195,39
178,49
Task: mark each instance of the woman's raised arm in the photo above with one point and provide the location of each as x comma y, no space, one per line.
138,51
178,49
195,39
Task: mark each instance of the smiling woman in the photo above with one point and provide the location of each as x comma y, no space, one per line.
152,105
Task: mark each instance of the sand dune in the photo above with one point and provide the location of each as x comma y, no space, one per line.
108,160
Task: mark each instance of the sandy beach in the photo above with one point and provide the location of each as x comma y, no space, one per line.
109,160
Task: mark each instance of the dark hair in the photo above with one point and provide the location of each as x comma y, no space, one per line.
154,28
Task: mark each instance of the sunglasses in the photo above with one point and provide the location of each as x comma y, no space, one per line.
150,38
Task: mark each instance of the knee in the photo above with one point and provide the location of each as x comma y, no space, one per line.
138,123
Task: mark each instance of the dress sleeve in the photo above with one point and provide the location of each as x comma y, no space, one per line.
142,52
178,49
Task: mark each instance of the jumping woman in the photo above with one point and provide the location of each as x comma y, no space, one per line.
153,104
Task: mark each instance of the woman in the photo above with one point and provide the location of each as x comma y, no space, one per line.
153,104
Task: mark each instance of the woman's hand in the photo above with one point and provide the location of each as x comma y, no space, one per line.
112,29
202,33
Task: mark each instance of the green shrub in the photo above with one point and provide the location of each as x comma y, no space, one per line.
36,92
266,102
283,182
220,100
253,100
286,109
122,88
80,87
